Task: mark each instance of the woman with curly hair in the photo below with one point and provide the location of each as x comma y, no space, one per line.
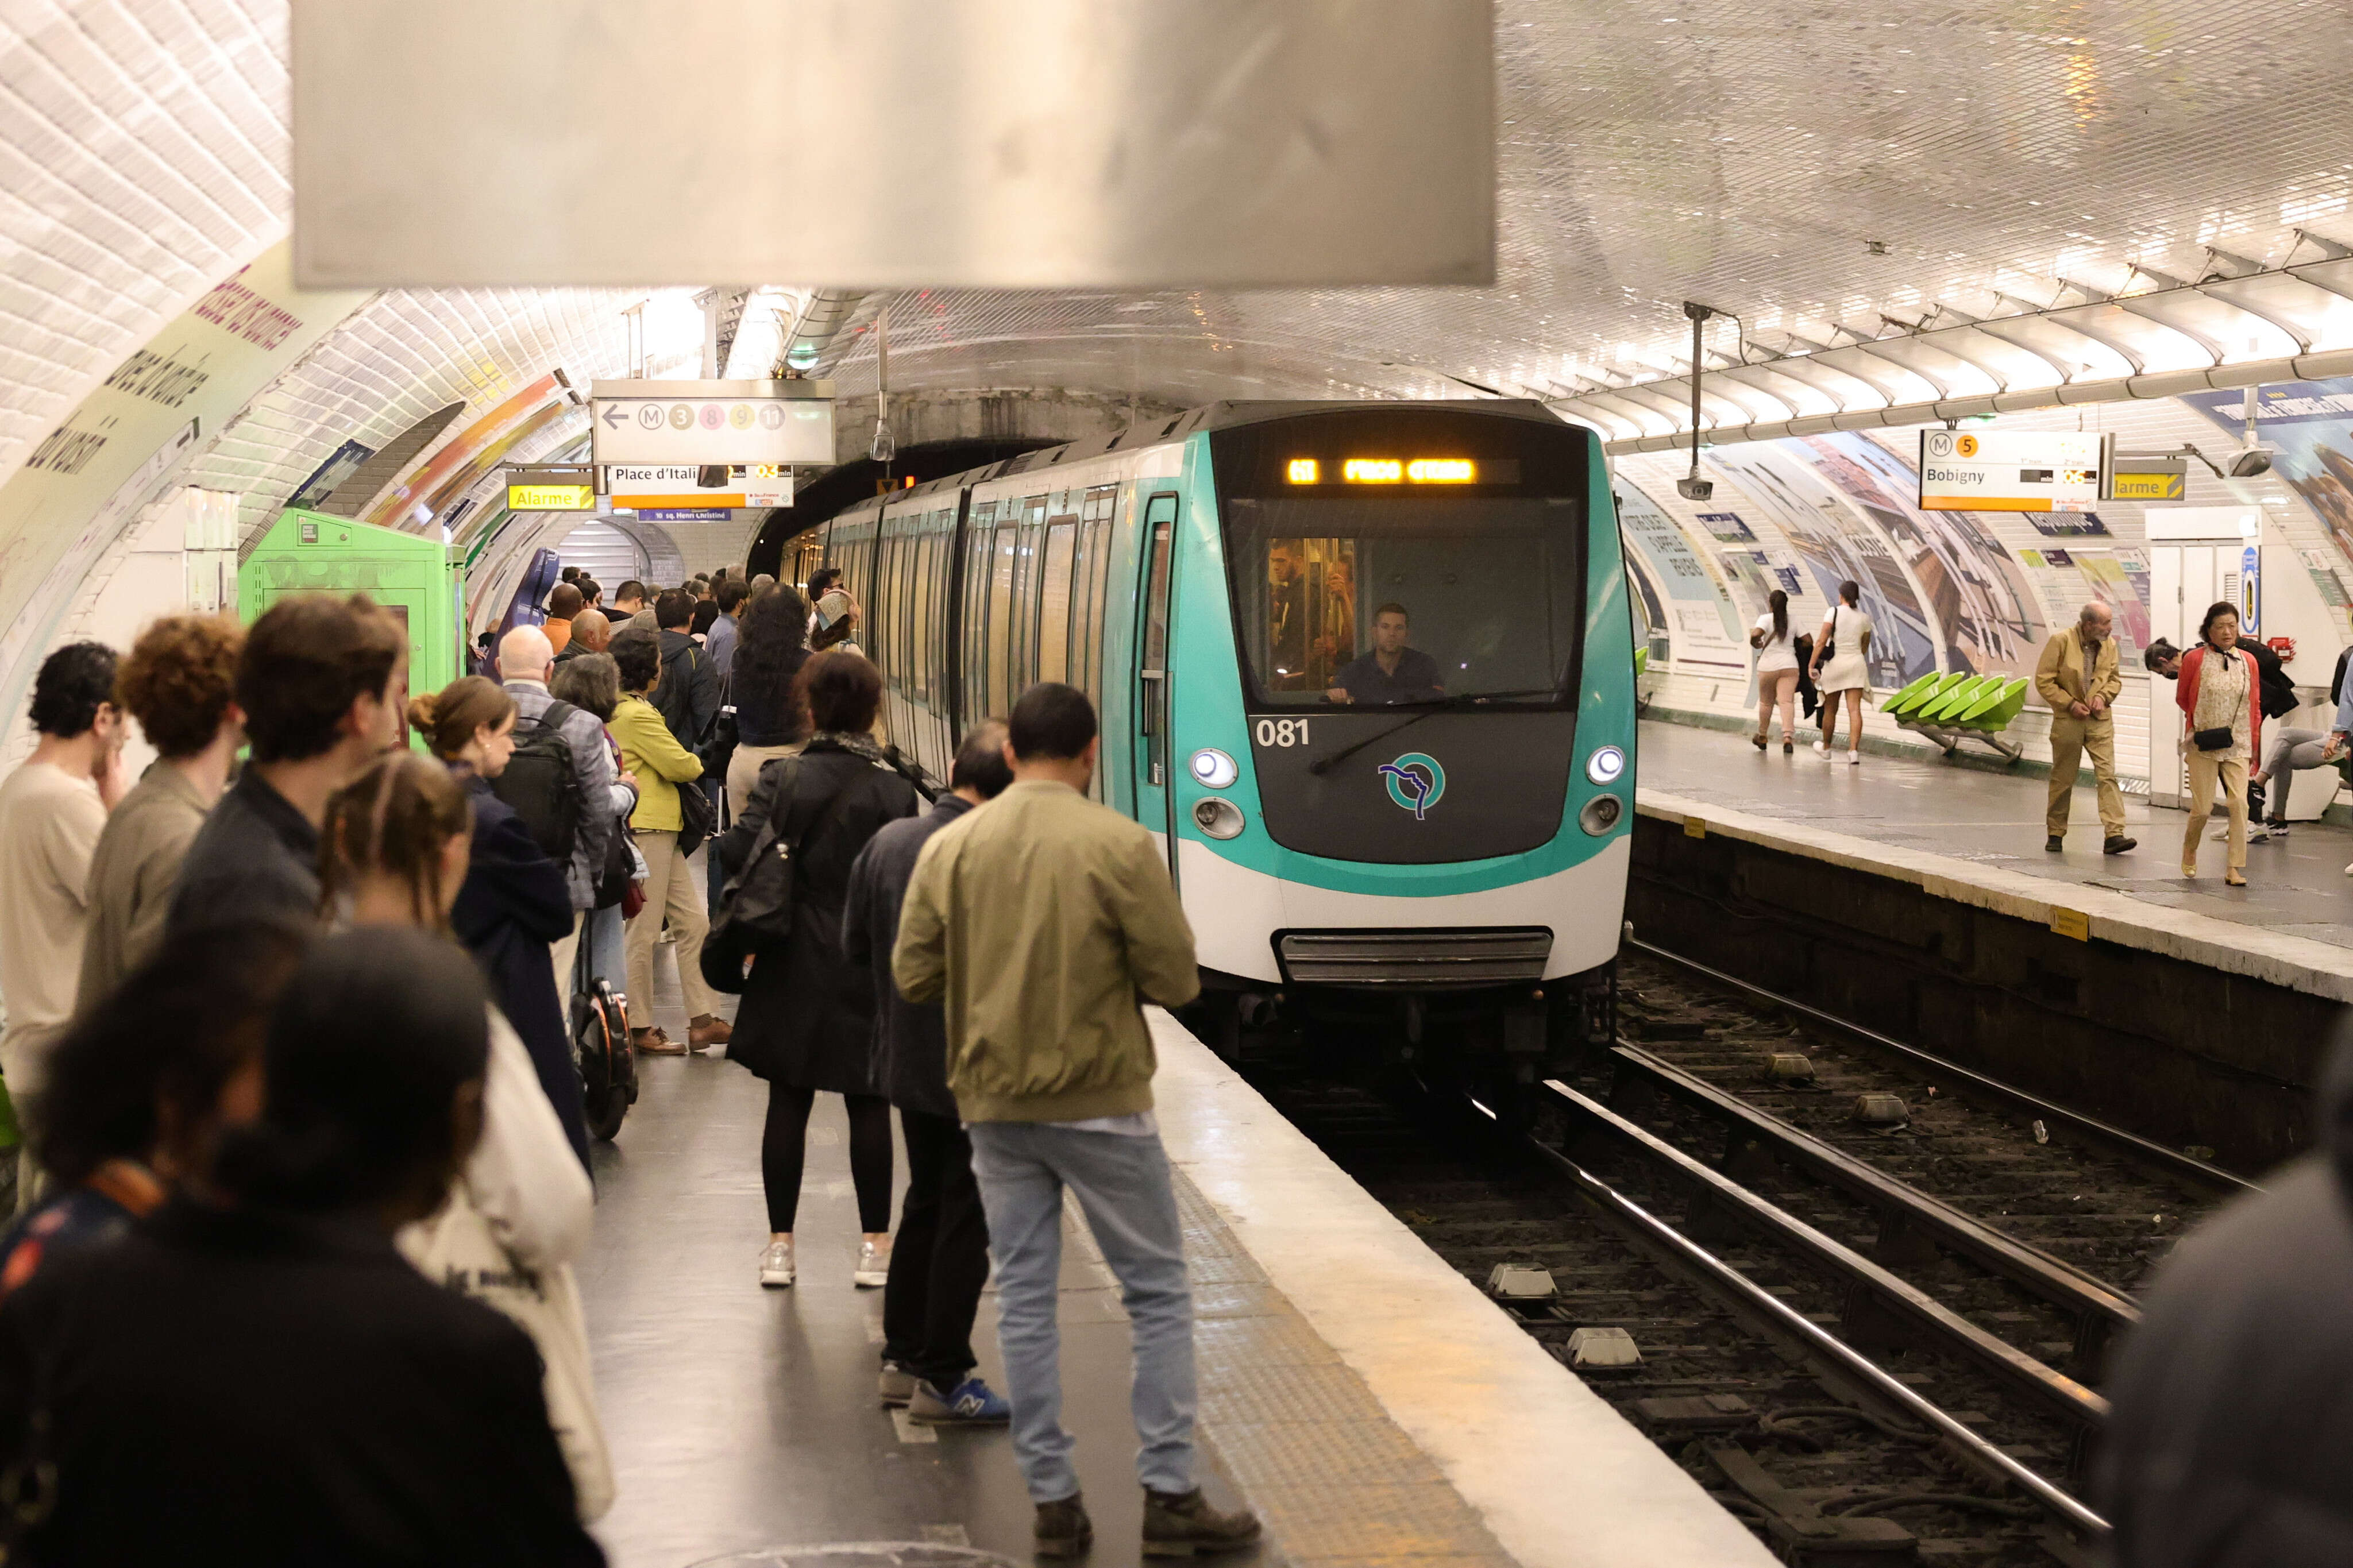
179,683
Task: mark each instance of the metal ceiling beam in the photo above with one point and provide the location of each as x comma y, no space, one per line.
2123,389
2327,275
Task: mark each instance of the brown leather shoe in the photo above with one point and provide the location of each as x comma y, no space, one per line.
654,1043
707,1031
1181,1524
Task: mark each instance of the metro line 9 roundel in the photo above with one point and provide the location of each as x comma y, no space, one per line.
1416,782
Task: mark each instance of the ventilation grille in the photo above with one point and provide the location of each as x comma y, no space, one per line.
1421,959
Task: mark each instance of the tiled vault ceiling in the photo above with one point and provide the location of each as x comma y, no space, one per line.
1800,162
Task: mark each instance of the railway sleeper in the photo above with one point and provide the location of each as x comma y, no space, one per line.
1799,1529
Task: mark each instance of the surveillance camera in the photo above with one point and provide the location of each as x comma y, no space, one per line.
2246,465
1704,490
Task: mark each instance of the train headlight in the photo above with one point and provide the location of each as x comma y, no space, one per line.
1600,814
1215,769
1606,767
1217,817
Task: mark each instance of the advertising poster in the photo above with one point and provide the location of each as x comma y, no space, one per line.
1786,486
2110,581
1976,595
2310,423
1702,625
453,470
83,484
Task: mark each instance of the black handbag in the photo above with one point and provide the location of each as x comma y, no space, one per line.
2221,737
698,819
756,905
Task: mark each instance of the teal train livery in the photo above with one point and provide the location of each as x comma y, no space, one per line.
1365,669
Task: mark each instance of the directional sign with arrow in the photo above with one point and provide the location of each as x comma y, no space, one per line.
700,422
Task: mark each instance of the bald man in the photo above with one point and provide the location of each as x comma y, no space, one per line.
590,634
2077,676
525,663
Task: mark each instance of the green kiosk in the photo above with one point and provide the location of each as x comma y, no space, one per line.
410,574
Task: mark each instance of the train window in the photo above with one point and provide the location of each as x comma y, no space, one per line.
1160,533
980,541
1406,599
1002,560
1054,603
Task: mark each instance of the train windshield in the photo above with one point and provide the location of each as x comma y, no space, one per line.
1378,601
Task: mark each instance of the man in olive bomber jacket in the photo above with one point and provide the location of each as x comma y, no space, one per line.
1039,921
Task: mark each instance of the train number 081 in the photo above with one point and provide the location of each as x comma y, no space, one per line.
1283,731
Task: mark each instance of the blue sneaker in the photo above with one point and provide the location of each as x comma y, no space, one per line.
971,1403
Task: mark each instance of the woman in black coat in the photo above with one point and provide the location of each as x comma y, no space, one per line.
806,1022
514,902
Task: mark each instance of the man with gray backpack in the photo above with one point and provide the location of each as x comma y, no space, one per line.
560,767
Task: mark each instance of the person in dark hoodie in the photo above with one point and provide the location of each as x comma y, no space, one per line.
940,1260
688,695
2231,1440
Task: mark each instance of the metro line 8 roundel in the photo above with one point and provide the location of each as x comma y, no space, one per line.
1416,782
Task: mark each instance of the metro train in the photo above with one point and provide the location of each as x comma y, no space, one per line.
1365,669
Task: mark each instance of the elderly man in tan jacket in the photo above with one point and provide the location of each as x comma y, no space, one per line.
2077,676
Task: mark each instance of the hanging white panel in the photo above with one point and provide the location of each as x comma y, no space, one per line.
894,142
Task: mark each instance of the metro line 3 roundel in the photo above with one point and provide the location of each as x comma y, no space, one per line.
1416,782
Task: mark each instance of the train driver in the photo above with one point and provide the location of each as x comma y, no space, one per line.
1392,672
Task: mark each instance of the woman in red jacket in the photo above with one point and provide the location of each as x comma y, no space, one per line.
2222,701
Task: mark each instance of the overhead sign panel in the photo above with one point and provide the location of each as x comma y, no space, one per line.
638,487
2148,479
551,490
675,423
2010,470
1049,143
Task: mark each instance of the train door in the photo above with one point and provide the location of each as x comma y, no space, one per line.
1152,753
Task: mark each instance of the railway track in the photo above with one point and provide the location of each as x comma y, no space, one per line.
1868,1329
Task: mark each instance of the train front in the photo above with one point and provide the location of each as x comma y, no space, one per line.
1403,721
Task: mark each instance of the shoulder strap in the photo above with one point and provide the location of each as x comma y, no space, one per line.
554,715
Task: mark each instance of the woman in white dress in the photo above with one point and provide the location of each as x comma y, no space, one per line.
1846,635
1777,670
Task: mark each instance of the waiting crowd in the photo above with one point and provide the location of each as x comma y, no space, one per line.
306,1166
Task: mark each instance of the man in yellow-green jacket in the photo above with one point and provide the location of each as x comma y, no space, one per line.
659,764
1039,921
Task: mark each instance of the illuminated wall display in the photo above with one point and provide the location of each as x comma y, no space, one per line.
1401,470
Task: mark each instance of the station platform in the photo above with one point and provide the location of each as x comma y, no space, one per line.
1977,837
1366,1399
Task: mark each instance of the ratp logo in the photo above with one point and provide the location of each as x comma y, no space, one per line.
1416,782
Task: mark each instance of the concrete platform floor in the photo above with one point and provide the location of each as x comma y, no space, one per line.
740,1418
2297,886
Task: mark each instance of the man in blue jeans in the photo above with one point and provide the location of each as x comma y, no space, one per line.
1039,921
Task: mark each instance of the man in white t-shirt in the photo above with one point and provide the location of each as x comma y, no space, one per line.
52,810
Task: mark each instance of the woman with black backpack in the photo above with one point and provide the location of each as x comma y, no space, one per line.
807,1021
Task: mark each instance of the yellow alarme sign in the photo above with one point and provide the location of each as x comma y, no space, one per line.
552,498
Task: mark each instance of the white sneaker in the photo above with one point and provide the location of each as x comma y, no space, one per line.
1823,749
873,1270
2257,833
1854,759
776,1265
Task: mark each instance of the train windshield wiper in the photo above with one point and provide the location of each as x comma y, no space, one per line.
1322,766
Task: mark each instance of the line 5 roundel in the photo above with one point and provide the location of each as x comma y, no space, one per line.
1416,782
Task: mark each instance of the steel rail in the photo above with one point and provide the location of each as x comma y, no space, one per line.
1870,1285
1788,1321
2050,1278
2172,1162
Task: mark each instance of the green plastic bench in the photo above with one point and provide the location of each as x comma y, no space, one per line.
1994,710
1905,700
1954,701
